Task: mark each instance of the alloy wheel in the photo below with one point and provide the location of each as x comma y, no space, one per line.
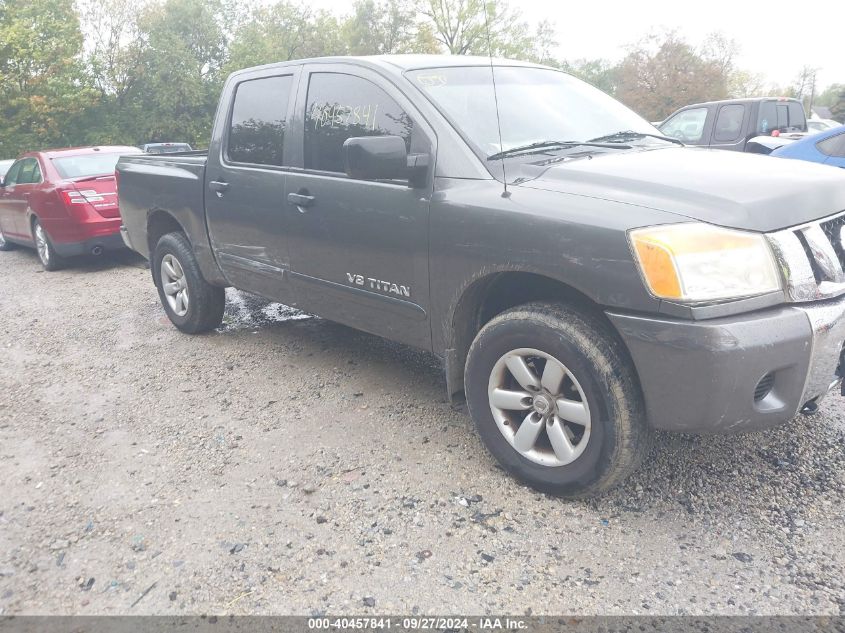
539,407
42,244
175,285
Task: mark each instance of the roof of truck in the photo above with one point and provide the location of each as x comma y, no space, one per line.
401,63
739,100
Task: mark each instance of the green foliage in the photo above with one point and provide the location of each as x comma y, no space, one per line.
281,32
487,27
152,70
388,27
44,88
598,72
837,110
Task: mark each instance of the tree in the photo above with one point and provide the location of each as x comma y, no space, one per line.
43,84
598,72
463,27
389,26
837,110
281,32
183,49
830,96
663,72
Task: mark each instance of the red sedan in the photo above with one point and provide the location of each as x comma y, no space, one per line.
62,202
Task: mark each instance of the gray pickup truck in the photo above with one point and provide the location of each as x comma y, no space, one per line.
742,125
583,278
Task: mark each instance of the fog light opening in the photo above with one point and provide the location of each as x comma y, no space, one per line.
810,407
764,387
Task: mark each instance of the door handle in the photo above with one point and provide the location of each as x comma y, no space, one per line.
219,187
301,200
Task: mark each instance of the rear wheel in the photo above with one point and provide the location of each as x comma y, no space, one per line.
50,260
192,304
555,399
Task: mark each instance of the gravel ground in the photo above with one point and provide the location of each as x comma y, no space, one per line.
289,465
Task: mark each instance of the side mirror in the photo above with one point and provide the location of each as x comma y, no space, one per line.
383,158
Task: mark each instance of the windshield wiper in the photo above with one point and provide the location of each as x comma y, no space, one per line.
548,144
632,135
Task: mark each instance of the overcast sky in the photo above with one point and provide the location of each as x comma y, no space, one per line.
775,40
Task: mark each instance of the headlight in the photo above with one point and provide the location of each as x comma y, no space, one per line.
699,262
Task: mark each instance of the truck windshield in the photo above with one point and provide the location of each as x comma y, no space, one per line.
535,105
86,165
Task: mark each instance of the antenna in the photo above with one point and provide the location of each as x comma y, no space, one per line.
505,193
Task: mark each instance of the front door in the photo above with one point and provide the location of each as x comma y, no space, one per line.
21,181
245,183
359,249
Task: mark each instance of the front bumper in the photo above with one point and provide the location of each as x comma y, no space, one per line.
701,376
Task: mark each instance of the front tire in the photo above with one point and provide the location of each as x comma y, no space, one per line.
5,245
556,400
192,304
50,260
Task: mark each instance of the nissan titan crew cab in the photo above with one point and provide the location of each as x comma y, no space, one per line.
583,278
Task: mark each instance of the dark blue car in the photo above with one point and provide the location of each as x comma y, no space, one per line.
826,147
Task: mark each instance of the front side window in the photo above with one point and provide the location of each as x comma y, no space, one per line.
13,174
341,106
687,126
259,118
833,146
729,123
29,173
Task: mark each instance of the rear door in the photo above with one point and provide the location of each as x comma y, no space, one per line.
728,127
359,249
245,182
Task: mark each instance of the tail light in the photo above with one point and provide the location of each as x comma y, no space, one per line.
86,196
76,203
90,198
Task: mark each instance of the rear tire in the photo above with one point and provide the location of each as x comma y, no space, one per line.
50,260
563,373
192,304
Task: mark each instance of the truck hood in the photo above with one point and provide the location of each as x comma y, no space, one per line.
730,189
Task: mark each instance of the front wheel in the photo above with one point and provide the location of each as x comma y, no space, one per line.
192,304
555,399
5,245
50,260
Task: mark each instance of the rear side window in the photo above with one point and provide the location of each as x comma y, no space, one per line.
687,125
341,106
729,123
259,118
797,120
786,116
833,146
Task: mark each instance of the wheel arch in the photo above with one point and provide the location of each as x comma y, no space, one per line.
491,295
159,224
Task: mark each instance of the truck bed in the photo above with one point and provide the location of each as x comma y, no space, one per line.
171,185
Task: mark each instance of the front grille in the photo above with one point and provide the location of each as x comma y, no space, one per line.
832,230
812,258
